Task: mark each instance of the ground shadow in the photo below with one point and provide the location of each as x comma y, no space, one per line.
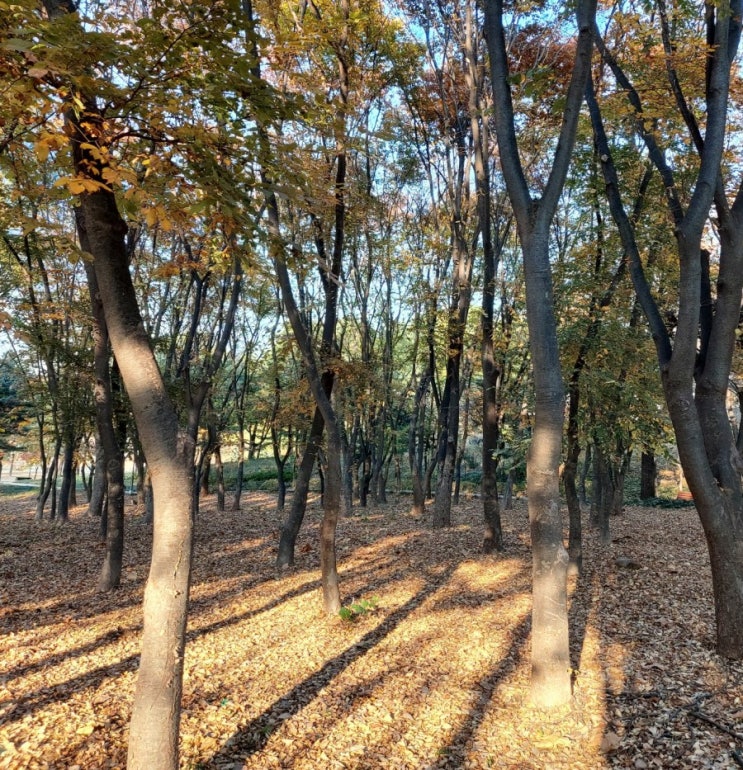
485,689
252,737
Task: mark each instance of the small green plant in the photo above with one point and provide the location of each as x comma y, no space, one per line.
355,610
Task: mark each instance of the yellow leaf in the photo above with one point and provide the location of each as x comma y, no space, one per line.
42,151
76,186
88,729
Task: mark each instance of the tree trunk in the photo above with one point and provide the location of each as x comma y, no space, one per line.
569,473
620,476
584,470
98,485
603,494
240,471
48,481
219,473
112,457
414,438
695,364
293,522
331,512
648,471
72,494
550,677
67,478
153,732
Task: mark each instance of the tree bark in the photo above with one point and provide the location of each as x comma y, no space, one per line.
695,365
293,521
112,456
648,472
550,678
98,482
67,476
153,732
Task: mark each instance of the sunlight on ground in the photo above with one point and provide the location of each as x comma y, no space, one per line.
434,675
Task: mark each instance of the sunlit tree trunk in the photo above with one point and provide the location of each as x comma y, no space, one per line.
550,677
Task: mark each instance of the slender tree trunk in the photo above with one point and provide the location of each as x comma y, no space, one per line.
550,676
293,522
569,473
648,472
72,495
98,485
414,439
153,732
240,470
219,474
67,478
585,468
112,457
48,481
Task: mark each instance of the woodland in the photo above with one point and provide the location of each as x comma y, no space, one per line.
343,344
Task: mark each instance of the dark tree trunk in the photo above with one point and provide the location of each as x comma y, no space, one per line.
219,474
48,483
67,479
72,495
414,439
695,364
112,456
603,494
648,471
98,483
575,536
293,522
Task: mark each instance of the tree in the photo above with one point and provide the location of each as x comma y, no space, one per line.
112,454
550,649
695,358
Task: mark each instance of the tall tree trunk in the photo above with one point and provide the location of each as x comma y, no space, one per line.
491,373
112,456
414,439
153,732
569,473
48,480
550,675
603,494
695,365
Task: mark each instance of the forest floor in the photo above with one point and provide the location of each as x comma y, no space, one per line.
434,676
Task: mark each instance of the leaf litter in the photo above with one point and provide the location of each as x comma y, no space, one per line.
429,671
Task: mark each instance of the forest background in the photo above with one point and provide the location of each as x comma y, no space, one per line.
347,235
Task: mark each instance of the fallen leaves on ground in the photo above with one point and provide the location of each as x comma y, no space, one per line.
431,673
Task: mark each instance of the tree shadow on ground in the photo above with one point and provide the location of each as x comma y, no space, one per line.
252,737
452,752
